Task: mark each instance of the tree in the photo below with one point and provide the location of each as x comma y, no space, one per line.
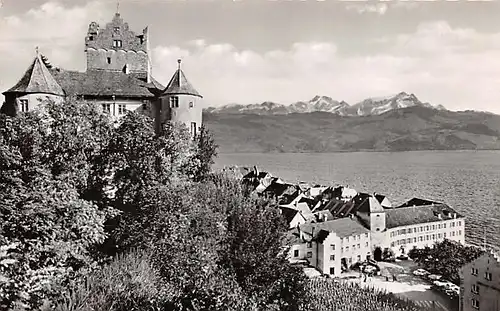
254,255
48,230
205,153
446,258
129,282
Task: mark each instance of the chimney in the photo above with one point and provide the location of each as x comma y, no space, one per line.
439,216
255,171
312,233
325,217
454,215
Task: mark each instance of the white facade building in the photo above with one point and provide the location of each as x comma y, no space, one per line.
331,246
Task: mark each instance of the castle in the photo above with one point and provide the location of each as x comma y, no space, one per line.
118,78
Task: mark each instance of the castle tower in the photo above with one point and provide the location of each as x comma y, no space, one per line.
180,102
374,216
36,85
117,48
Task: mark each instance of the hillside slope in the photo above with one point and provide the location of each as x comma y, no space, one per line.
404,129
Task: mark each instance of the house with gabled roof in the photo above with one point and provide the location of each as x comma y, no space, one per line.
330,246
118,78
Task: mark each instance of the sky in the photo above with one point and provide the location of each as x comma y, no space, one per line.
250,51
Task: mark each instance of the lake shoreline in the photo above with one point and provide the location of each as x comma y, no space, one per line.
364,151
463,179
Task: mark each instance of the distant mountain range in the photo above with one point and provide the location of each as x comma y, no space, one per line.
370,106
397,123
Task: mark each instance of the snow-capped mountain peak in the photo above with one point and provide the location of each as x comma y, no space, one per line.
319,103
369,106
379,105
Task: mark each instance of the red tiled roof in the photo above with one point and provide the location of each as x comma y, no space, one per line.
37,79
180,85
104,83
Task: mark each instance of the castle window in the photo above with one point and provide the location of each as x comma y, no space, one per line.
117,29
174,102
109,60
91,38
24,105
191,104
122,109
117,43
106,108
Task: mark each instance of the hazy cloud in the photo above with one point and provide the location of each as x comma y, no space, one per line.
456,67
379,8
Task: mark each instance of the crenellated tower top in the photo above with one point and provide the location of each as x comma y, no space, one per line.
117,48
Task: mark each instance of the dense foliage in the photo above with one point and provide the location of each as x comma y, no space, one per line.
97,215
445,258
76,187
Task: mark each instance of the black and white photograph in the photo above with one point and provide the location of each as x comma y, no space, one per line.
249,155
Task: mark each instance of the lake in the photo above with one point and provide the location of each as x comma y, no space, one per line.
468,181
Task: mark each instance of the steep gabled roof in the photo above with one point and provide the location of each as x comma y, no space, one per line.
180,85
410,215
37,79
102,83
366,203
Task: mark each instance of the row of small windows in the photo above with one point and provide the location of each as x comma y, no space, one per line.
356,237
487,275
425,238
424,228
122,108
354,247
332,257
332,247
174,102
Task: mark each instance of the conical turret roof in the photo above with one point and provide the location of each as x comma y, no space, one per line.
180,85
37,79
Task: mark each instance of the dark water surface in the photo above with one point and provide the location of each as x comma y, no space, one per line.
469,181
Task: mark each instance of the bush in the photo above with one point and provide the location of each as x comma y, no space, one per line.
446,258
129,282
